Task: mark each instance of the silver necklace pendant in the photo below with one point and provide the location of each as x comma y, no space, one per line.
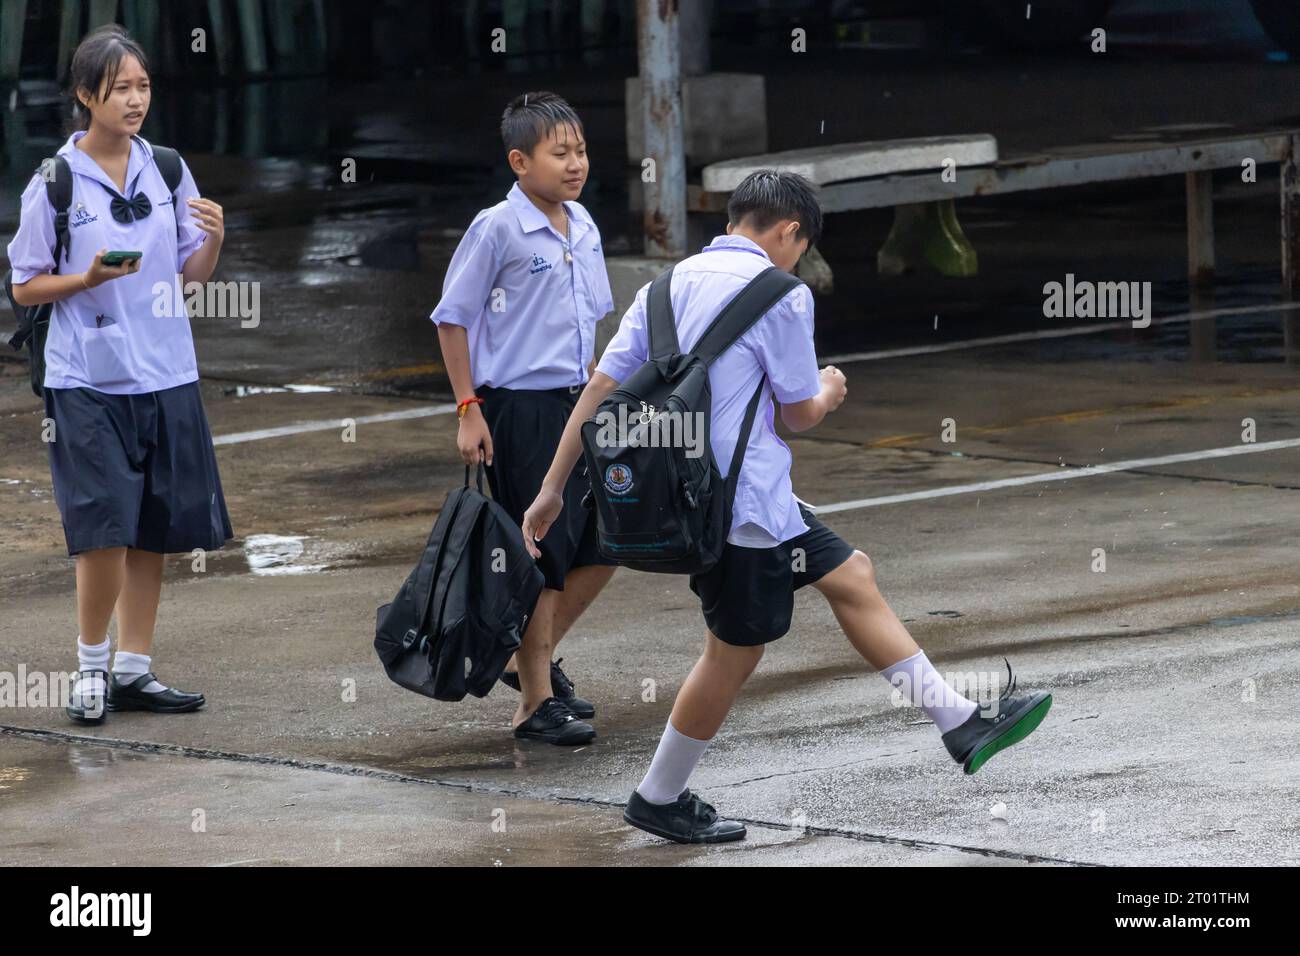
568,256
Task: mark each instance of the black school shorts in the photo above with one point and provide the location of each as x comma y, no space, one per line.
748,596
526,426
136,471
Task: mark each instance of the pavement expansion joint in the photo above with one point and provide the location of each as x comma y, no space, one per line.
178,750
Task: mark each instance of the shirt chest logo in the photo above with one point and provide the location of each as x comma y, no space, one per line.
81,217
539,265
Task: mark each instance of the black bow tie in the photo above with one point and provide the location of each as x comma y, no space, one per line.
127,211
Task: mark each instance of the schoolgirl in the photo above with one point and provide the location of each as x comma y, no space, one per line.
131,456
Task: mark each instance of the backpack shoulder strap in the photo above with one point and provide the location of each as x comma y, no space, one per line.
749,305
661,326
169,164
736,318
742,441
58,189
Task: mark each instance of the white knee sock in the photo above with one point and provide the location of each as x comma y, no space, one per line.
925,687
127,667
91,657
673,763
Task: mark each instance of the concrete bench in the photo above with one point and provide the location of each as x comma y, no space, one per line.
1195,154
924,232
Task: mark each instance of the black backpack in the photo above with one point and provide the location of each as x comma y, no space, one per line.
34,320
657,508
464,609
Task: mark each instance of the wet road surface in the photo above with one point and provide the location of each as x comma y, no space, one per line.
1174,671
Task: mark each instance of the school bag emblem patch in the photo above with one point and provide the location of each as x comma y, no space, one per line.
618,478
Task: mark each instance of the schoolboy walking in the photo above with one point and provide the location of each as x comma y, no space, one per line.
517,324
776,544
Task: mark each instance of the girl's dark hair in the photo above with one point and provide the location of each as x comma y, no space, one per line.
530,117
96,60
766,196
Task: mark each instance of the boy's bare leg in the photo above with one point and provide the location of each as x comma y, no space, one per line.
712,686
581,585
137,604
879,636
698,712
871,626
534,658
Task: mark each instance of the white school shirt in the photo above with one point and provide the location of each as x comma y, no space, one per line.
530,316
109,338
779,345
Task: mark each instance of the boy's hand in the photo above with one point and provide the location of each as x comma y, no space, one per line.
98,273
539,517
473,438
833,387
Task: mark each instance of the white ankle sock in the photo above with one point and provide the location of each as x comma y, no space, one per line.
91,657
127,667
673,763
925,687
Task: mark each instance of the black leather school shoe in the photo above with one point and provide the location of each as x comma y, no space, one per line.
561,687
686,820
88,708
129,696
554,723
996,726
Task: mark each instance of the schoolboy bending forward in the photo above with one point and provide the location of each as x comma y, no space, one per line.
748,597
517,323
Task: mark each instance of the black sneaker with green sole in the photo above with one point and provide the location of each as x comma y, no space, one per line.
997,725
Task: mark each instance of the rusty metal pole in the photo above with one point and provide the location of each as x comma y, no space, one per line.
1290,177
1290,180
659,56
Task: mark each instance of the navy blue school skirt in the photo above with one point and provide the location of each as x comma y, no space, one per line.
136,471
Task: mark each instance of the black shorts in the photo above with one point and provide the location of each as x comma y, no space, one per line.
136,471
748,596
526,426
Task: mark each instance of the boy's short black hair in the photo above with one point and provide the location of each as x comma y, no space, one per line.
766,196
530,117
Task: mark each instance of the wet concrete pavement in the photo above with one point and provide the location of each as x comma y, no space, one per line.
1174,672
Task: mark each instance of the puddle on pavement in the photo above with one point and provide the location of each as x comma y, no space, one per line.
245,391
266,555
273,554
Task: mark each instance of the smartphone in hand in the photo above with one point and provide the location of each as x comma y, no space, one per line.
117,257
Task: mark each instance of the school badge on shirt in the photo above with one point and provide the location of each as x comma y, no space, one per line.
539,265
80,217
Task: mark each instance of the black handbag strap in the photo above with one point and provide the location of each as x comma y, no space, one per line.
480,477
